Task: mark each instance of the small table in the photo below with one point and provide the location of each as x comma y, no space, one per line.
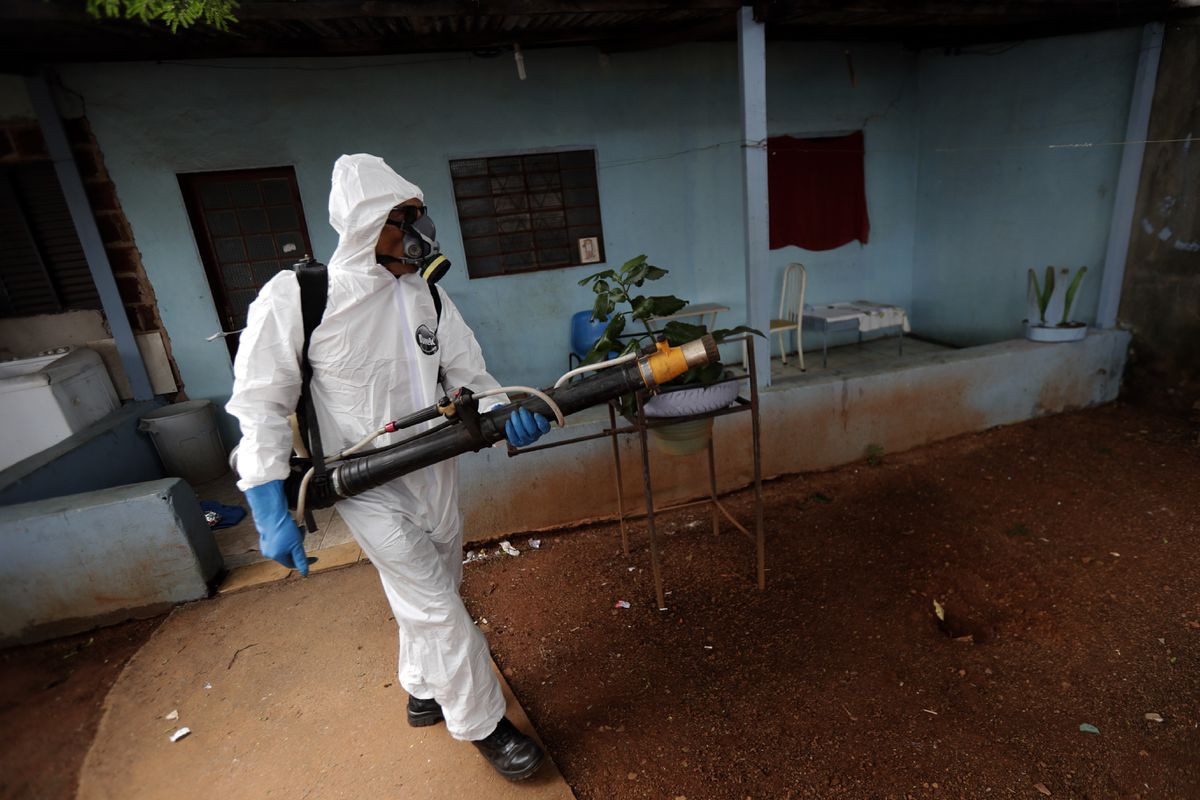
701,310
860,315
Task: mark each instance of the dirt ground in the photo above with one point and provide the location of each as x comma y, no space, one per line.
289,691
1062,551
51,698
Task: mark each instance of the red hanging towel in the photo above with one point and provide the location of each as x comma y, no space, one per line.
817,191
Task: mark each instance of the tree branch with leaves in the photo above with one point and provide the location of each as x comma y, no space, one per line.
175,14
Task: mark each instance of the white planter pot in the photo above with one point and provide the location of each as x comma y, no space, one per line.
1053,333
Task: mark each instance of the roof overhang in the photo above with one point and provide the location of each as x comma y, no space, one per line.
58,31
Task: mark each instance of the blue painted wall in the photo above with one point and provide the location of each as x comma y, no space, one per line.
664,124
998,193
665,127
810,93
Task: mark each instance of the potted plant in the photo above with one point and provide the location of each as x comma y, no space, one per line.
697,391
1054,299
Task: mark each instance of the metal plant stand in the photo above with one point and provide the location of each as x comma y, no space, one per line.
641,425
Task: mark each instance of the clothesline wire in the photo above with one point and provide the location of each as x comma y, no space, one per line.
761,144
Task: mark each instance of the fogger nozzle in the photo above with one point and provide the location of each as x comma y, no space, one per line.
671,362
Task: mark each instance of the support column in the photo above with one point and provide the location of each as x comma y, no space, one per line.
89,235
1125,195
752,70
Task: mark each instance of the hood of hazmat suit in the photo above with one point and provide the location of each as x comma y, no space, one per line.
377,356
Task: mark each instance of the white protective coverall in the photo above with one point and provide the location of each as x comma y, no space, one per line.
368,368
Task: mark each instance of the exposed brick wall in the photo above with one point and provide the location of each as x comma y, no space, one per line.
21,141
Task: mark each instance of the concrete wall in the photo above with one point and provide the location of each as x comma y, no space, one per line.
69,563
1010,179
1161,295
821,422
21,337
109,453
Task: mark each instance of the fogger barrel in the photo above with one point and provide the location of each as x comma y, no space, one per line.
645,372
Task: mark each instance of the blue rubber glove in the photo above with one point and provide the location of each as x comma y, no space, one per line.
278,536
525,427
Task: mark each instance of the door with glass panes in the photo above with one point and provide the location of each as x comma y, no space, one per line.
249,225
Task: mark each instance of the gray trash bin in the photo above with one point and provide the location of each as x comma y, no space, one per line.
187,440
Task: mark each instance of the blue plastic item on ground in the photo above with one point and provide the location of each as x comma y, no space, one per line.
229,515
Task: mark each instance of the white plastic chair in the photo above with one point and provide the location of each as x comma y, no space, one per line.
791,305
790,318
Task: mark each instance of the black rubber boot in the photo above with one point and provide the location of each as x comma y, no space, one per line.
513,754
423,712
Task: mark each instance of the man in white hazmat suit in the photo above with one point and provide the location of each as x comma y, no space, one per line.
375,357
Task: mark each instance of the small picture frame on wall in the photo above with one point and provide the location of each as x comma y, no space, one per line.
589,250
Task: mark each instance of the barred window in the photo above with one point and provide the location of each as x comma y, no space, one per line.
523,213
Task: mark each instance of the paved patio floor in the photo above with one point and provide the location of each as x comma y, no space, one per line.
289,691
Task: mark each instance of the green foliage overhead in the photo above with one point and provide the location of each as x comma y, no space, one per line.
175,14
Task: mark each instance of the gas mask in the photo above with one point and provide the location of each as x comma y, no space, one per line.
420,244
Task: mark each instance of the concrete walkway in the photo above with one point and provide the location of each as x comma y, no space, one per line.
289,691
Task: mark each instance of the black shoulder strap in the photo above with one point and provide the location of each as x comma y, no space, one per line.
314,291
437,304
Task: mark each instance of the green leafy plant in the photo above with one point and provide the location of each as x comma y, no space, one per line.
1071,290
1044,292
1043,297
175,14
874,454
618,301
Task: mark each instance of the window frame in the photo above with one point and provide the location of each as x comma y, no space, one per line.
572,244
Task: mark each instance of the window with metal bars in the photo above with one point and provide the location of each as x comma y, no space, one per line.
523,213
42,266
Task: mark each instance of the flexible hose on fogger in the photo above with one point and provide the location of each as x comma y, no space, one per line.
645,372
